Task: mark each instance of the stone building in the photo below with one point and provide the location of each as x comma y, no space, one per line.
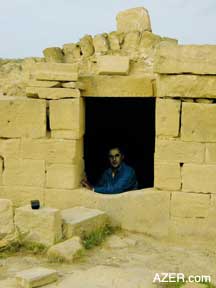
130,85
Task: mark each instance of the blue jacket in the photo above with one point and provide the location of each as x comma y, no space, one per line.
124,180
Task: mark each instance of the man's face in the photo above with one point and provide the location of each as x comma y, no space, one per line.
115,158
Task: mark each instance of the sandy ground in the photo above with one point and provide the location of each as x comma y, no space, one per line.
143,256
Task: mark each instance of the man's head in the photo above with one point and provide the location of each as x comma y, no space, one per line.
115,157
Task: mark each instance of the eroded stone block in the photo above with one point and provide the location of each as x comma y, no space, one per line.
71,51
6,218
53,54
86,45
167,176
113,65
74,85
44,84
39,226
114,41
167,117
52,93
131,40
101,44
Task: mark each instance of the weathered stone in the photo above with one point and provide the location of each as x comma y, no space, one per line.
167,117
189,205
53,54
191,86
199,178
210,153
52,151
35,277
205,101
149,40
131,41
10,148
1,169
117,86
71,52
24,173
56,71
74,85
167,176
86,45
39,226
113,65
64,176
196,59
198,122
6,218
65,134
136,19
17,117
52,93
179,151
101,44
43,84
81,221
68,114
114,41
66,251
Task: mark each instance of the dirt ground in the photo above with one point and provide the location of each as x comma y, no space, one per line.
131,252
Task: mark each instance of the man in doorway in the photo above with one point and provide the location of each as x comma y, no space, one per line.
118,178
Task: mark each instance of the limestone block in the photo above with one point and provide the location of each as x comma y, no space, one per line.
191,86
10,148
210,153
131,41
199,178
71,51
64,176
118,86
74,85
68,114
114,41
167,176
198,122
39,226
35,277
149,40
24,173
56,71
167,117
43,84
6,218
135,19
22,117
86,45
65,134
113,65
66,251
52,93
52,150
81,221
53,54
179,151
101,44
189,205
22,195
195,59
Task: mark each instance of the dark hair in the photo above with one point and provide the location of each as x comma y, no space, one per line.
116,147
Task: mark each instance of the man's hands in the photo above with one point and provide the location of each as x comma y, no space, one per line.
86,183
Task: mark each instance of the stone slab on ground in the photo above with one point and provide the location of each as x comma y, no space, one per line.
82,221
66,251
35,277
6,218
41,226
113,65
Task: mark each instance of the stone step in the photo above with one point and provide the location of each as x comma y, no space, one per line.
81,221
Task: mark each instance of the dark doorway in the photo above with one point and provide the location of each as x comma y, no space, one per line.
128,122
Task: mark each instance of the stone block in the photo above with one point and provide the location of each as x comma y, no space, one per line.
68,114
189,205
198,122
168,117
24,173
66,251
22,117
131,41
81,221
74,85
52,150
149,40
39,226
10,148
210,153
191,86
113,65
135,19
179,151
195,59
71,51
43,84
114,41
64,176
101,44
56,71
35,277
118,86
86,45
6,218
52,93
22,195
167,176
53,54
199,178
65,134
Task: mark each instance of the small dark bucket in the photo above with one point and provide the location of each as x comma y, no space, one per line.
35,204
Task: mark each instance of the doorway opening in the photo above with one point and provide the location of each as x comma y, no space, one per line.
125,122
